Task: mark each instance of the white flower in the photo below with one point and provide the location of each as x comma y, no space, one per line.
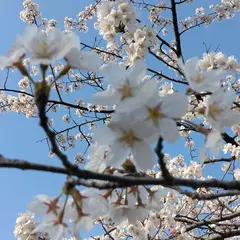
97,156
232,64
127,88
25,224
237,174
213,142
218,110
123,135
78,59
125,212
45,206
46,49
94,198
212,60
198,79
77,215
161,114
16,54
155,197
55,230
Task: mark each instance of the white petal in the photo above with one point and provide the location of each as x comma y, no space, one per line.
213,142
174,105
114,73
137,71
231,118
117,215
144,130
117,155
146,91
4,62
104,136
108,97
168,130
90,61
143,155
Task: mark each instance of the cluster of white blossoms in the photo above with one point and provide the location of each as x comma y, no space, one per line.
121,207
25,225
21,103
141,115
138,38
30,12
156,15
224,10
205,76
111,21
144,110
46,48
81,23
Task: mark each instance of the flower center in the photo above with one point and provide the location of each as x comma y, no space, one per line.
44,48
198,78
125,90
129,137
155,114
214,110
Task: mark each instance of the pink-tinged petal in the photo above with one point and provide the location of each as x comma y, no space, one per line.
108,97
174,105
168,130
143,155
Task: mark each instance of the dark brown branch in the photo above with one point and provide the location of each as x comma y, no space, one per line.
213,221
166,77
227,235
25,165
165,173
175,28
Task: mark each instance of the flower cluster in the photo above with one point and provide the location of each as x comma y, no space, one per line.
25,225
141,115
130,112
81,23
138,38
30,12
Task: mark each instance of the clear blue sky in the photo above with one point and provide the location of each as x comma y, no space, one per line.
18,135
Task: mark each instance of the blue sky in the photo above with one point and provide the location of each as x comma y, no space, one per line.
19,135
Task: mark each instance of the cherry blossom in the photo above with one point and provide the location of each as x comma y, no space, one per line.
46,49
201,80
127,89
218,110
124,135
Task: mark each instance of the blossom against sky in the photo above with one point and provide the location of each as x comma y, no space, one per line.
19,135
